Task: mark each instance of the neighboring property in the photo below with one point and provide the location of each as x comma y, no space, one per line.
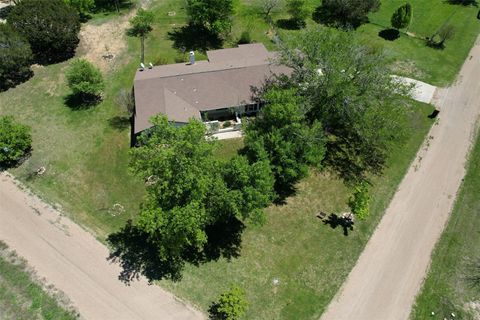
219,89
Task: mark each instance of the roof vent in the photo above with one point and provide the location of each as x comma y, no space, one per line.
192,58
150,65
142,67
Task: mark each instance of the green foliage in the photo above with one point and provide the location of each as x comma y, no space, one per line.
140,27
352,94
245,38
194,204
345,13
402,17
359,203
213,15
15,58
231,305
15,141
50,26
298,12
84,79
83,7
282,135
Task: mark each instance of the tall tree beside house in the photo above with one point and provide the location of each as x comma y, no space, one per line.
282,135
16,57
212,15
402,16
195,206
140,27
50,26
351,93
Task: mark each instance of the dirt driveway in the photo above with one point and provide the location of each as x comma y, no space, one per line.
390,271
75,262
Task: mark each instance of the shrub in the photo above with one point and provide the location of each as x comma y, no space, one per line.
359,203
15,141
83,7
227,124
231,305
50,26
85,80
298,13
15,58
402,16
245,38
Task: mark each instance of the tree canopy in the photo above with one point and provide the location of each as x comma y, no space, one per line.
213,15
15,141
231,305
281,134
15,58
195,204
50,26
345,13
298,12
352,94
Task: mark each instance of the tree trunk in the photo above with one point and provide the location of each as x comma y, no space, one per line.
142,57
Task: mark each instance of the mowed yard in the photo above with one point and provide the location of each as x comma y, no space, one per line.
453,282
85,153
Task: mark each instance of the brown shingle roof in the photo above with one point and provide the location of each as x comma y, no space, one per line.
181,91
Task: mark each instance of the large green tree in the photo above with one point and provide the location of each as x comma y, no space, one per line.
15,58
345,13
50,26
282,134
195,204
83,7
140,27
213,15
352,94
15,141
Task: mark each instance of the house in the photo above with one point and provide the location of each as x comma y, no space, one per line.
217,89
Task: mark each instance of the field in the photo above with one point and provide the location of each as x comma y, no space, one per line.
22,298
85,153
453,282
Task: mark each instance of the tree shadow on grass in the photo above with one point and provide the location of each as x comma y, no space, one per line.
290,24
120,123
193,37
335,221
81,102
389,34
138,255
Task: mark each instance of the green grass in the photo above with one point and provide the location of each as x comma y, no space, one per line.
449,286
310,259
86,158
23,298
228,148
411,56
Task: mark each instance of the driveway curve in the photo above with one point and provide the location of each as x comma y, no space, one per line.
75,262
390,271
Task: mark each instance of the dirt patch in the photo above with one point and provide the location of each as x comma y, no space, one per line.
103,44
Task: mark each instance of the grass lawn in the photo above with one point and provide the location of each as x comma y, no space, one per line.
22,298
85,153
456,260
